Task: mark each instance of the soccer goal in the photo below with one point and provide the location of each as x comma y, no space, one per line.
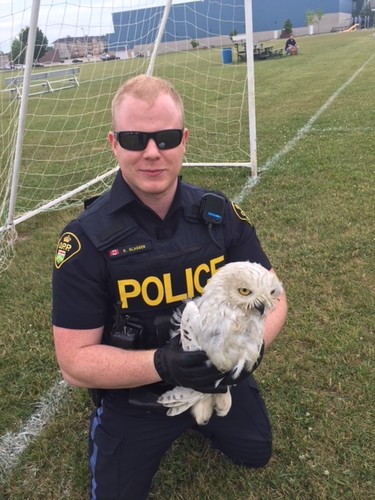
55,117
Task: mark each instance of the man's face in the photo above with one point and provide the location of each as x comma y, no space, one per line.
152,171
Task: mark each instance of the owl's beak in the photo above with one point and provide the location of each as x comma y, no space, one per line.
260,308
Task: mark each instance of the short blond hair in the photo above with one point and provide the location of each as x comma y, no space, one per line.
146,88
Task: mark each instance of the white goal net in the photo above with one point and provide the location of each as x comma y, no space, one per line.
55,100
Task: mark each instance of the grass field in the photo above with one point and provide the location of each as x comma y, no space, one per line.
313,206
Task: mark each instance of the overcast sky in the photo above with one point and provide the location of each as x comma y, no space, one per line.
62,18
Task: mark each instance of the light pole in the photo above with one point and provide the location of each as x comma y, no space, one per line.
85,41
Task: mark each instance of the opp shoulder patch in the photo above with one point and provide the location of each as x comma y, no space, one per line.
240,213
68,246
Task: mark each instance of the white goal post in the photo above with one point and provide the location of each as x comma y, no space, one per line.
54,139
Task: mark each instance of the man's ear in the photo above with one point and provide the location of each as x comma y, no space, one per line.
112,142
185,135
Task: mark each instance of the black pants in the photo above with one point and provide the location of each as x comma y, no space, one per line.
126,449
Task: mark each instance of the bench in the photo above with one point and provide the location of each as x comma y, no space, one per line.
260,52
277,53
239,42
65,79
241,54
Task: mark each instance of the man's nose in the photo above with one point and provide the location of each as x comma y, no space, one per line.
151,148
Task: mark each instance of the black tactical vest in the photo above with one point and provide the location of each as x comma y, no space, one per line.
149,278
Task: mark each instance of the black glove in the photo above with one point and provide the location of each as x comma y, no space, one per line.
229,380
187,368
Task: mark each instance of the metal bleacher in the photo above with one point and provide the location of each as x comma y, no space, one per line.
45,81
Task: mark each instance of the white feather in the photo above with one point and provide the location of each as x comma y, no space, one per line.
227,322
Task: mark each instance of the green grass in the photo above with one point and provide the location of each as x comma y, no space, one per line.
314,212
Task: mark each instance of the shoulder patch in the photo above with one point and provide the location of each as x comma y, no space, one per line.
240,213
68,246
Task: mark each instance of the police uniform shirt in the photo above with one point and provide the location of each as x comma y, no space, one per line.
82,294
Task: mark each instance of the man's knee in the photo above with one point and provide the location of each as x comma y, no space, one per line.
257,456
252,454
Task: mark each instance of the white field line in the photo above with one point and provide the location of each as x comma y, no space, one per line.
300,134
344,130
13,444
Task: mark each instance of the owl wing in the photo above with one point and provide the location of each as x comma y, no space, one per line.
181,399
190,327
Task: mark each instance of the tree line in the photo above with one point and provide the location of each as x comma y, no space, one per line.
19,46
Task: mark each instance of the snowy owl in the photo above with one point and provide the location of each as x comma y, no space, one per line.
227,323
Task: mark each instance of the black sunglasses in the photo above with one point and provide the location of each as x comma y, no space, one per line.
137,141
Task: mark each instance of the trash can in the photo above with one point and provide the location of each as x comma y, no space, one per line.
226,56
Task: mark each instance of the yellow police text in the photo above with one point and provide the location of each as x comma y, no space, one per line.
162,287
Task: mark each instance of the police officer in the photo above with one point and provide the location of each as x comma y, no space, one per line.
121,268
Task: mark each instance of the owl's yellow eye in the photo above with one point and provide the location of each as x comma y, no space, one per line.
244,291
